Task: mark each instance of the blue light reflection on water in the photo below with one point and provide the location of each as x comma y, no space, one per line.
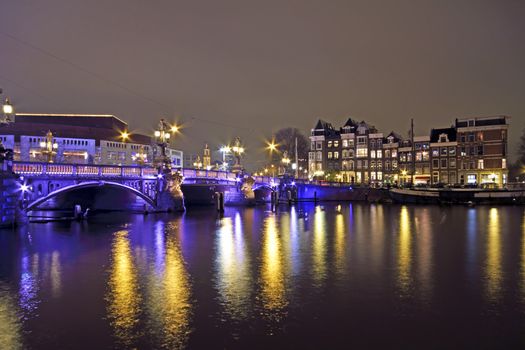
315,273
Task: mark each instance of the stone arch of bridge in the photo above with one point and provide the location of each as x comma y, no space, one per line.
90,184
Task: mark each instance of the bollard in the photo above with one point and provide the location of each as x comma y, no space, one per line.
219,196
289,197
77,212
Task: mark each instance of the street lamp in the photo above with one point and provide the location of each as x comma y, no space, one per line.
162,137
124,135
197,164
141,157
7,110
49,146
238,151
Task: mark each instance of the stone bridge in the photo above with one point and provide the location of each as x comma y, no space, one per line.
51,184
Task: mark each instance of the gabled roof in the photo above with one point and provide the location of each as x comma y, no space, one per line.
395,135
350,122
322,125
450,132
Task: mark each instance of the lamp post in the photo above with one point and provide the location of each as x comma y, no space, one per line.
225,150
162,137
7,110
49,147
285,161
198,163
141,157
238,151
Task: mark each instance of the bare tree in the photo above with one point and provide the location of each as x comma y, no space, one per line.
285,138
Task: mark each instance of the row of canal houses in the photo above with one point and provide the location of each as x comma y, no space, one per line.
472,151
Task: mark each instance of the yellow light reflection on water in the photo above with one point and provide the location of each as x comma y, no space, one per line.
404,254
234,279
319,247
10,325
340,244
123,297
493,265
272,271
523,258
56,280
169,292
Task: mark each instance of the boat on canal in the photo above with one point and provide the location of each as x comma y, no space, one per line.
508,195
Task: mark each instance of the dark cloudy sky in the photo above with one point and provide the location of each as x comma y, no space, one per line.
251,67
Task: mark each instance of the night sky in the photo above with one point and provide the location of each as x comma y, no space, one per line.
248,68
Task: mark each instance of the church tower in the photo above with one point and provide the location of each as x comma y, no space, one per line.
206,159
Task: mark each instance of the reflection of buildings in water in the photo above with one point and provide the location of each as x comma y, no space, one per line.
272,269
340,245
493,264
168,304
404,254
523,258
55,274
319,269
123,296
424,252
377,237
10,323
233,281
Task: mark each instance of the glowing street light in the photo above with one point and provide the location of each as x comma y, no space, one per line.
7,110
124,135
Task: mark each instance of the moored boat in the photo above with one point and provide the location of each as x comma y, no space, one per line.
458,196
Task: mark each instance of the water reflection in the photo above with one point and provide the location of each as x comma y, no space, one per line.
10,325
272,271
28,289
424,253
493,265
233,281
404,254
340,244
55,274
319,247
124,298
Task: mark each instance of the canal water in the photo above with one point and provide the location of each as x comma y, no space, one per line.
326,276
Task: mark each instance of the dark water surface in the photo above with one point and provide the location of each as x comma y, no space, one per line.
349,276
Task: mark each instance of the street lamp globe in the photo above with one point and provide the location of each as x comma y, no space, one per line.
7,107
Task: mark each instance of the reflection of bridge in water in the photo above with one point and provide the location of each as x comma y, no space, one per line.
62,184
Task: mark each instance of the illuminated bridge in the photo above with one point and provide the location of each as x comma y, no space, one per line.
49,185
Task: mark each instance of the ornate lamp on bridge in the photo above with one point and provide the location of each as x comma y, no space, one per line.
198,163
162,136
238,151
285,161
141,157
7,111
49,147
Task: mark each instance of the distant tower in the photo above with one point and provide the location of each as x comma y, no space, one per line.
206,159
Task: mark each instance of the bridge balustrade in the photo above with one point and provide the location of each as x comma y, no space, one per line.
87,170
28,169
59,169
131,172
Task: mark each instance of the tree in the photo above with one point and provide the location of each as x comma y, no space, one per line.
521,149
285,139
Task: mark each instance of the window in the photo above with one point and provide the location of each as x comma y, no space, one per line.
480,150
463,139
359,164
330,155
351,153
471,137
319,156
435,177
472,150
362,152
471,122
345,143
394,153
336,155
387,153
452,163
435,152
452,151
336,143
361,140
435,163
319,144
444,151
372,143
379,175
387,165
372,154
480,164
419,156
379,153
443,138
379,164
504,163
394,164
403,157
312,145
329,144
372,164
443,163
471,179
463,151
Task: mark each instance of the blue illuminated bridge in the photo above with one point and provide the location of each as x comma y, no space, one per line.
48,185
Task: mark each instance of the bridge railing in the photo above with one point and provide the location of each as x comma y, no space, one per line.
81,170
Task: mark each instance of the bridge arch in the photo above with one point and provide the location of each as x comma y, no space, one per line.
89,184
263,186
